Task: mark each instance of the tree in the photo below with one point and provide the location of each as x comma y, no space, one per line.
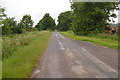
2,14
39,25
9,27
2,17
26,23
64,21
47,22
92,17
21,27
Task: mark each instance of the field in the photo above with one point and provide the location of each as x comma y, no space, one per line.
105,40
21,53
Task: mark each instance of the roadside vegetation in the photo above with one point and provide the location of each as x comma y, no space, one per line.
23,43
90,21
22,52
0,57
88,18
106,40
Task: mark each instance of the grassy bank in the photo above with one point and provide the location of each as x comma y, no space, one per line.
25,53
105,40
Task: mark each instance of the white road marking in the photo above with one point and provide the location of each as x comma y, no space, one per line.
61,36
61,45
69,53
78,62
55,34
37,71
78,69
100,63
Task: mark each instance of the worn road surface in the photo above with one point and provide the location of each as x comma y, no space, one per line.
67,58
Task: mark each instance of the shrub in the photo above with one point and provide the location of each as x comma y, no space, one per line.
11,43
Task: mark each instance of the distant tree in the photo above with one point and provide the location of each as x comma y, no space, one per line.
26,22
9,26
21,27
2,17
47,22
92,17
64,21
38,26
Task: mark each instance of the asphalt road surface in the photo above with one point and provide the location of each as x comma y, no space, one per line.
67,58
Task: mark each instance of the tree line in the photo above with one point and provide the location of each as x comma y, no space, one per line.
85,18
9,26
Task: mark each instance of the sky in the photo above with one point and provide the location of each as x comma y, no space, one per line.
36,8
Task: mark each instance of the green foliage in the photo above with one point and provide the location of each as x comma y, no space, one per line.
10,44
64,21
39,25
26,23
9,26
47,22
91,17
105,40
13,42
24,59
2,17
21,27
2,14
105,36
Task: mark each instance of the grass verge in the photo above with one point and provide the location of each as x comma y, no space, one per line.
110,43
0,70
0,58
21,63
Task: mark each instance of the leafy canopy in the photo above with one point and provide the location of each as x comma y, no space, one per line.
47,22
92,17
64,21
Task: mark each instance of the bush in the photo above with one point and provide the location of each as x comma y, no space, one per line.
11,43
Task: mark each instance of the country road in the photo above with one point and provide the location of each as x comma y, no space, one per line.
67,58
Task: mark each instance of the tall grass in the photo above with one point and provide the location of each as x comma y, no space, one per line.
11,44
0,69
105,40
105,36
26,51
